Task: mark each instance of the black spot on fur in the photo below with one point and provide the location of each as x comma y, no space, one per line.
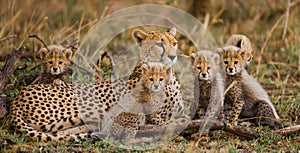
49,138
31,134
60,127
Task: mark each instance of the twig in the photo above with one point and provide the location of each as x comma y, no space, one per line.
287,131
230,86
287,15
7,38
41,40
73,44
104,12
113,67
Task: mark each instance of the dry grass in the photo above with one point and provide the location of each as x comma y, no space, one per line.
272,26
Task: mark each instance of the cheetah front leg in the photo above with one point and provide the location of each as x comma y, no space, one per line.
75,130
237,104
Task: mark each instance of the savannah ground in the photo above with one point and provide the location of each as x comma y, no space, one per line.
272,26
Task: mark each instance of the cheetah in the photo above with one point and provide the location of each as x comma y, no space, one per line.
56,61
50,112
160,47
147,97
209,86
245,99
241,41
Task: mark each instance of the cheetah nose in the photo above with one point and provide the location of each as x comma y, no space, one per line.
230,69
55,69
172,57
156,86
203,74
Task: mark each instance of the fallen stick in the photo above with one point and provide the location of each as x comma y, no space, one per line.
287,131
8,69
240,131
195,124
233,129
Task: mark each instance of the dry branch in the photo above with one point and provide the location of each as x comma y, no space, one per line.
288,130
240,131
8,37
8,69
41,40
217,125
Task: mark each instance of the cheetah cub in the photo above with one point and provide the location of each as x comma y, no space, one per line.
243,42
246,98
146,98
209,86
56,61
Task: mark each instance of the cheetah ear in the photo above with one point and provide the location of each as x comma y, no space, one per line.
216,58
43,52
68,53
240,43
172,31
193,57
220,51
167,69
244,42
145,68
242,52
138,36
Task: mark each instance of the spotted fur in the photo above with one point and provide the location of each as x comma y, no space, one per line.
146,98
51,112
209,86
246,99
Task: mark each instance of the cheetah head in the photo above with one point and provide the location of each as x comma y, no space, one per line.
155,76
205,64
157,46
56,59
233,59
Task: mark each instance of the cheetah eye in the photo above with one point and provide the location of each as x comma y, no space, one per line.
161,79
151,79
236,62
226,62
199,67
159,44
174,43
60,62
208,68
50,62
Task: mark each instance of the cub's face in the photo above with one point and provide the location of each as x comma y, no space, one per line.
205,64
157,46
56,60
155,76
233,59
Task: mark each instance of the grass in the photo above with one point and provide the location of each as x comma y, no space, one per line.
278,69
